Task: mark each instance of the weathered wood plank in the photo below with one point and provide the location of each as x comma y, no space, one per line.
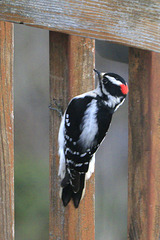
144,146
71,73
133,23
6,133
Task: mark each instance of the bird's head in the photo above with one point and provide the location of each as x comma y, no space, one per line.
112,84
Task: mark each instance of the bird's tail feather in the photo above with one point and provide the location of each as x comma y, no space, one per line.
68,193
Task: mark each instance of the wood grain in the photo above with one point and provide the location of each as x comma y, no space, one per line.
6,133
71,73
133,23
144,146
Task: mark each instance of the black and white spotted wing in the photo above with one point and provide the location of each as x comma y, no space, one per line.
77,153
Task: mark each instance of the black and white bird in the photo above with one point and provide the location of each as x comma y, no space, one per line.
83,127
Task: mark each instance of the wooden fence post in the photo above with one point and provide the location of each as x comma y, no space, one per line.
144,145
6,133
71,72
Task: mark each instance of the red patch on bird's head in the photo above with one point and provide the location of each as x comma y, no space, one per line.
124,89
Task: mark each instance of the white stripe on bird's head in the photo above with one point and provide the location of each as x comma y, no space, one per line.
114,81
111,79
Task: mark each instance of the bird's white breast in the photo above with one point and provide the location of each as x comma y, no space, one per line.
89,126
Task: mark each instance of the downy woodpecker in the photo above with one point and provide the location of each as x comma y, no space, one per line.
83,127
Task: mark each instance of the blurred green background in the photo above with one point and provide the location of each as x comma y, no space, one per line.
32,141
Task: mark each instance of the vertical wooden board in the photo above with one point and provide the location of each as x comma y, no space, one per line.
144,142
59,90
154,168
6,133
71,72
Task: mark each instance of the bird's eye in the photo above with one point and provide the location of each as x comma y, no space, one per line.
105,80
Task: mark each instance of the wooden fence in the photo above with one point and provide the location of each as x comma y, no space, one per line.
133,23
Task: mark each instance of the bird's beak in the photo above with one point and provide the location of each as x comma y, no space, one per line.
99,74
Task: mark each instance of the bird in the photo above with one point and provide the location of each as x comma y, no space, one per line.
83,127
